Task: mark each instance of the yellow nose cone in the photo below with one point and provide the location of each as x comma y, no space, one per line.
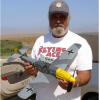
65,75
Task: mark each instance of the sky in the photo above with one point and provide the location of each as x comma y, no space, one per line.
31,16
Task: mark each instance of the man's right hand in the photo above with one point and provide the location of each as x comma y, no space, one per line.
30,69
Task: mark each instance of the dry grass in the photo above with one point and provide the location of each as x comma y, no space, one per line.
26,40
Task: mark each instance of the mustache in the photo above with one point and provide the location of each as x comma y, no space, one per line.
58,25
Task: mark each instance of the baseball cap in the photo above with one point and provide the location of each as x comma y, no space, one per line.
59,6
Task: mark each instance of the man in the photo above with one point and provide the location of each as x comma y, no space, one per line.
51,45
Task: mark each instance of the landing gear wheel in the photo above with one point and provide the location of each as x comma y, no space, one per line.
91,96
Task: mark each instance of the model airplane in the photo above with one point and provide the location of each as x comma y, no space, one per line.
56,69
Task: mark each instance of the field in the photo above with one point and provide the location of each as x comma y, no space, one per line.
27,40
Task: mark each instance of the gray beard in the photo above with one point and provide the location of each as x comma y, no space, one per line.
58,31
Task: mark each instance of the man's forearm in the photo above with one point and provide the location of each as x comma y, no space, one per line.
82,78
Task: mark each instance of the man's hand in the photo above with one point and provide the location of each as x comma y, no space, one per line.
82,78
30,69
63,84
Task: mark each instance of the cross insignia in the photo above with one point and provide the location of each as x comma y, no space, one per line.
29,89
71,51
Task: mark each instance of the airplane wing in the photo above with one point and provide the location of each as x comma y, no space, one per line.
40,81
66,57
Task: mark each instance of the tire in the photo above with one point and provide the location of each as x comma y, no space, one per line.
91,96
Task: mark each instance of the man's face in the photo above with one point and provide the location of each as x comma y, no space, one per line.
58,24
58,19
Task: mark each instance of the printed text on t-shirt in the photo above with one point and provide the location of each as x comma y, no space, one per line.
51,51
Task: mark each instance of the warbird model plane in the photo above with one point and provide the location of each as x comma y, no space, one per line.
58,69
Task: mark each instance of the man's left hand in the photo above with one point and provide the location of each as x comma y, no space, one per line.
63,84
